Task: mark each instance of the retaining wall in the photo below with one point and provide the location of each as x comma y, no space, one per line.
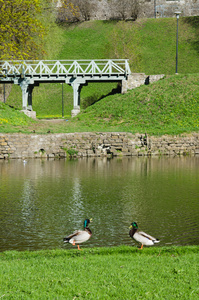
110,9
137,79
95,144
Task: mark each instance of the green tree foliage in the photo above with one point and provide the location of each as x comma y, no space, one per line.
21,30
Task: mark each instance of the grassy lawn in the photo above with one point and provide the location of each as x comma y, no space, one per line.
101,273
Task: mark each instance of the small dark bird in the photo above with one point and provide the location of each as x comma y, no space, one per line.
141,237
79,236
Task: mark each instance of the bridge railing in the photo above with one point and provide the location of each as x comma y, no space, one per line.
65,67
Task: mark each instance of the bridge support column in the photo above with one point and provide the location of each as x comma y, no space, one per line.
77,86
27,89
76,99
24,87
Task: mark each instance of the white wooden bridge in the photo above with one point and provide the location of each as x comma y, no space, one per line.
28,74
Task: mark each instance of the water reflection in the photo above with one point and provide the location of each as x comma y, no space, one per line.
41,201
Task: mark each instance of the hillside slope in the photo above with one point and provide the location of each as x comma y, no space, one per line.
169,106
149,43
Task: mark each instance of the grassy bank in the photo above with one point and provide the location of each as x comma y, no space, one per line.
148,43
169,106
101,273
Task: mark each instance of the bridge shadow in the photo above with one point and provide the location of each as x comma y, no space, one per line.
88,101
194,22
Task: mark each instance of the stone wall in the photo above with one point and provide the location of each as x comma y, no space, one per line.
137,79
107,9
95,144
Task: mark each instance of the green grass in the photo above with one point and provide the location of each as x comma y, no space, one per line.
169,106
158,48
156,39
12,119
101,273
87,40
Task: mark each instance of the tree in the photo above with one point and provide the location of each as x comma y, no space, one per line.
86,8
21,30
67,11
125,9
134,9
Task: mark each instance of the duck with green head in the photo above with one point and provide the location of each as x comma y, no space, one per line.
79,236
141,237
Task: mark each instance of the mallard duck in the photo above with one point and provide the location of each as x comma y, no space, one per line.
79,236
141,237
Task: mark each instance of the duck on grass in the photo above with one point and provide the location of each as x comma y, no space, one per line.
79,236
141,237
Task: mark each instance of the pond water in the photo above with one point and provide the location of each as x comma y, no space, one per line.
41,201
